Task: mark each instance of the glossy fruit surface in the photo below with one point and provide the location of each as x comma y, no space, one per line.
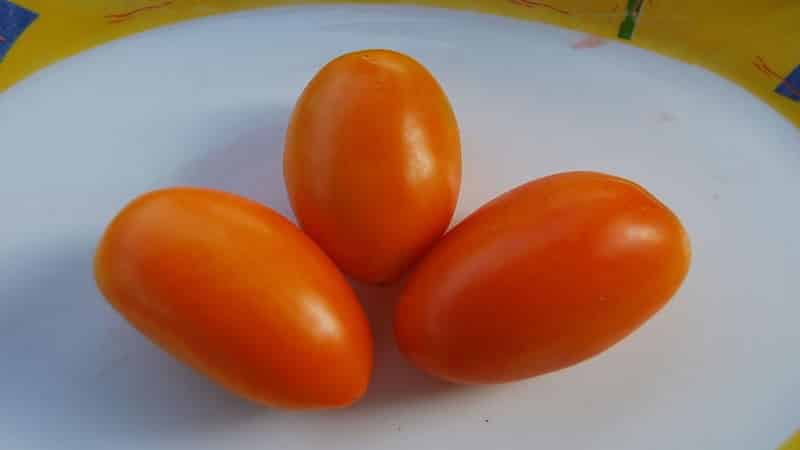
239,293
541,278
372,162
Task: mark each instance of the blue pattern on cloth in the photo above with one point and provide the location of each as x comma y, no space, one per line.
791,86
14,19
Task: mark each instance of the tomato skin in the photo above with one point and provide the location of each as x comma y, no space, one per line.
372,162
238,292
541,278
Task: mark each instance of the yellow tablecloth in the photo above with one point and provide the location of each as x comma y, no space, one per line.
755,43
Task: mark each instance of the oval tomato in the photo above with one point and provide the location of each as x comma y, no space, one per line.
239,293
372,162
543,277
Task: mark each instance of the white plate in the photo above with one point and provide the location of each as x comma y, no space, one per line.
206,103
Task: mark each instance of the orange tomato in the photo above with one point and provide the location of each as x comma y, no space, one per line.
239,293
543,277
372,162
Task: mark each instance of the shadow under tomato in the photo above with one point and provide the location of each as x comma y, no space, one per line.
73,368
394,380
